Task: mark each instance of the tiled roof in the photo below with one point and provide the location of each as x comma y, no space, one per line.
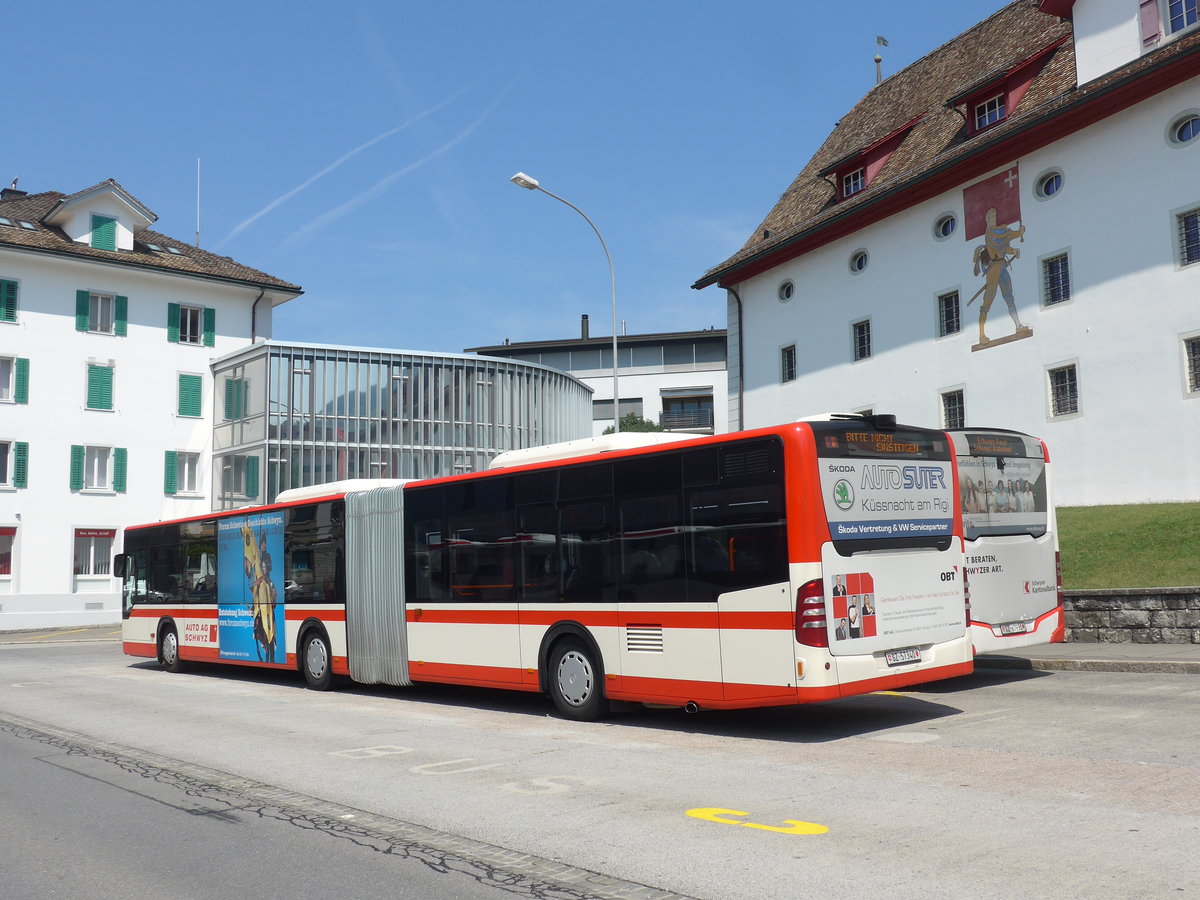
940,138
189,261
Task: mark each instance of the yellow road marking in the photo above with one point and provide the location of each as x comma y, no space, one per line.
717,814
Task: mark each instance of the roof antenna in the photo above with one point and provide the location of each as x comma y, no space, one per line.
880,41
197,201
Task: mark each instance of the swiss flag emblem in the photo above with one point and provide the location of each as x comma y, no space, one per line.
1001,192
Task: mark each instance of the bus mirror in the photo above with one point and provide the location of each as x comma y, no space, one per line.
119,562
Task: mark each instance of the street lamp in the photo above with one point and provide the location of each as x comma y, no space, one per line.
531,184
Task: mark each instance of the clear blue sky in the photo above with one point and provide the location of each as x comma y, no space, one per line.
362,150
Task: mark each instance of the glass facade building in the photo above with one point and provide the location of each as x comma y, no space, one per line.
292,415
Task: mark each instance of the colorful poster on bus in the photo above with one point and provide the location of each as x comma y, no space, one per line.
250,588
871,499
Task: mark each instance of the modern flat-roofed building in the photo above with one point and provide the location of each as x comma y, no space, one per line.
675,379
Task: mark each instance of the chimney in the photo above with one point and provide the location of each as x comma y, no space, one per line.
11,192
583,327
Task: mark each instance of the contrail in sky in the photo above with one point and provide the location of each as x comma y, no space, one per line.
383,184
337,162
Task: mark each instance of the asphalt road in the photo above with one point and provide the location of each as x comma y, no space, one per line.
1005,784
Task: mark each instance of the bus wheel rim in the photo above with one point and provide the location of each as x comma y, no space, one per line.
575,678
169,648
316,657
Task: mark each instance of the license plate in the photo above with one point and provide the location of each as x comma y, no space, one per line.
903,657
1013,628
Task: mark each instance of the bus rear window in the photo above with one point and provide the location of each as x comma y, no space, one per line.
1002,483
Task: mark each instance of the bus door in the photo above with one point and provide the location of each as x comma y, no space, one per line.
376,633
893,568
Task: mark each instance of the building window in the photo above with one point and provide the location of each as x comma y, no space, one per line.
191,389
1064,391
104,233
1056,279
8,301
239,477
191,324
98,468
1048,184
945,226
949,318
1188,228
603,409
787,363
954,410
989,111
853,182
858,261
101,313
1185,130
7,537
93,550
786,290
99,386
1191,364
181,473
14,464
14,379
1181,14
686,412
862,339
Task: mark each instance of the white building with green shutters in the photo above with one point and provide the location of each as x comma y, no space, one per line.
107,335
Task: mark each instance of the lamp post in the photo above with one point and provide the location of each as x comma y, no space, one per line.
531,184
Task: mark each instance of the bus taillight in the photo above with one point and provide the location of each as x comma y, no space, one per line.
1058,575
811,623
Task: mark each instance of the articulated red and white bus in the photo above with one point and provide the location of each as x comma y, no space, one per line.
1011,539
803,562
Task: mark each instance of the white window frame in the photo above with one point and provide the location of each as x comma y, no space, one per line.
8,380
1165,19
940,230
1051,414
854,182
96,303
1044,278
1039,184
8,580
7,464
187,463
986,109
1190,373
95,553
186,334
93,457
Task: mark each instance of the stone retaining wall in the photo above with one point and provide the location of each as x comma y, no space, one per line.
1137,616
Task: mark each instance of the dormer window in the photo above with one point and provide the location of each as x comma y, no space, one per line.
989,112
853,182
104,233
1181,14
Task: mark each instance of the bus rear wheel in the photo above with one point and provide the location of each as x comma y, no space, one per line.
576,681
315,661
168,650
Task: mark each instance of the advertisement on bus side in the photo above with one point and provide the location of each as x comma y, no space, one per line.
250,587
873,499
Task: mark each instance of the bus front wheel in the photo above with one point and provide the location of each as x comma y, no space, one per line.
316,661
576,681
168,650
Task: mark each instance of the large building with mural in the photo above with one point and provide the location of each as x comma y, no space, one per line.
1004,233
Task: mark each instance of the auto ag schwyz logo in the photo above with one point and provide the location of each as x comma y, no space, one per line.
843,494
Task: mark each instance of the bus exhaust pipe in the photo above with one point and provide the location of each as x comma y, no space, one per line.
691,707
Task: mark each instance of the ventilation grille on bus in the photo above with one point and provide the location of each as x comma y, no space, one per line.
752,461
644,638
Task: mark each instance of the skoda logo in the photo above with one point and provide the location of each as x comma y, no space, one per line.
843,494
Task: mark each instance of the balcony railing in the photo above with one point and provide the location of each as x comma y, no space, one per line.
686,420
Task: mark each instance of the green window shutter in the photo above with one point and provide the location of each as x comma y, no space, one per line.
170,472
99,388
8,301
210,326
20,464
230,394
21,387
251,476
76,467
120,467
121,316
83,301
104,233
173,323
243,398
190,388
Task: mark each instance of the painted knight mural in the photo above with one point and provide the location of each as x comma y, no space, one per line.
992,210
